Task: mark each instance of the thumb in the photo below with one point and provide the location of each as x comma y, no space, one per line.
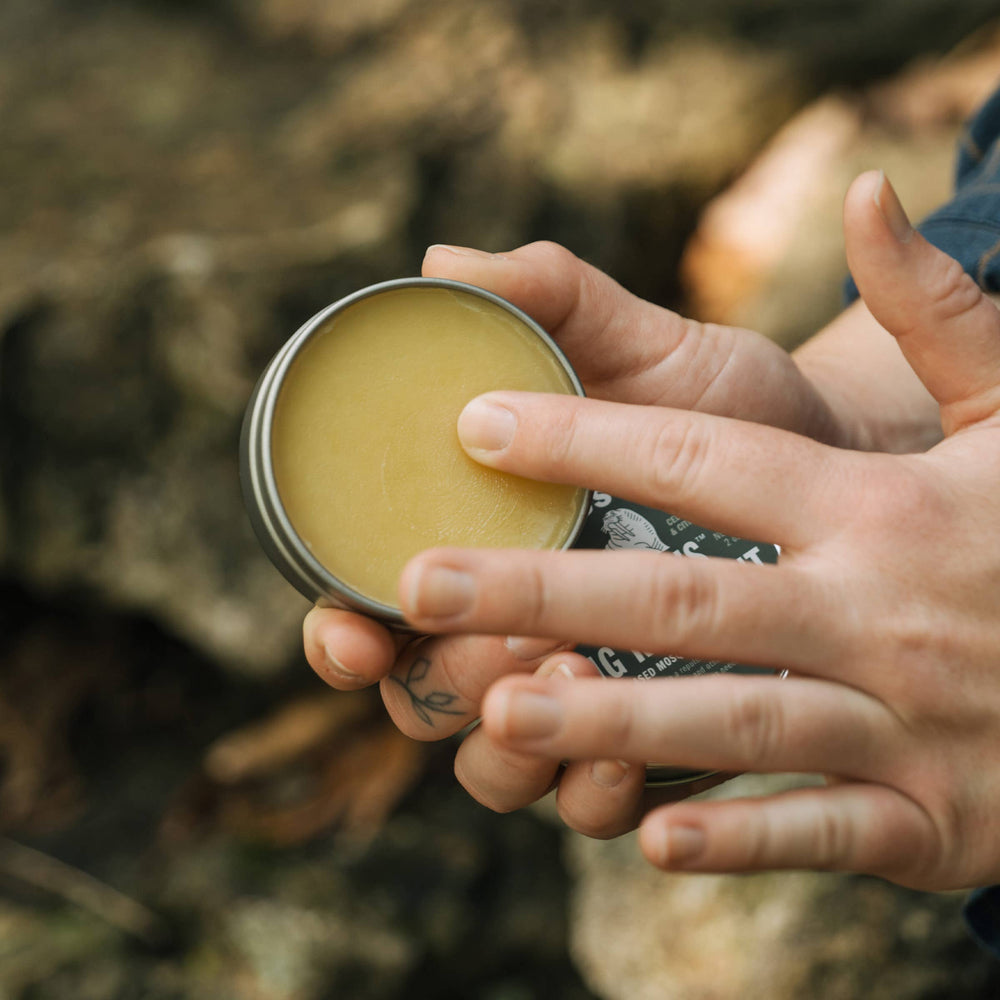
615,341
587,312
947,328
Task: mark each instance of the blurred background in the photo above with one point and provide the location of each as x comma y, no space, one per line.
185,811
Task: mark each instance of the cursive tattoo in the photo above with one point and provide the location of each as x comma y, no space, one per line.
438,702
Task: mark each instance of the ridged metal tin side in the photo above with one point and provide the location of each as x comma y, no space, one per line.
260,493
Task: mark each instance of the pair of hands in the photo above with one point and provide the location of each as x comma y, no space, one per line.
884,607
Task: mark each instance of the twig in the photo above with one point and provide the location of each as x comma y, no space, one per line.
45,872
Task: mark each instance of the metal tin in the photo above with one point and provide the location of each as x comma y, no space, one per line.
270,521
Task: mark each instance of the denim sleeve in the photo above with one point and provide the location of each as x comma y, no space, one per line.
968,226
982,914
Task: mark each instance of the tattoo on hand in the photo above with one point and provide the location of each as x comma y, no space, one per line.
438,702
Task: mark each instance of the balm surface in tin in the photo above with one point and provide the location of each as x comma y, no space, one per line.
351,463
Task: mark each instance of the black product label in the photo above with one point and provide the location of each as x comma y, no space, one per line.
615,524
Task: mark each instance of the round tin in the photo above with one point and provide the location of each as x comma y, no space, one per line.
270,521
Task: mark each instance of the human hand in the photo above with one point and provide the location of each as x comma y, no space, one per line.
883,607
623,349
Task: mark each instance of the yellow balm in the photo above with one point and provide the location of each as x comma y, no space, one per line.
365,453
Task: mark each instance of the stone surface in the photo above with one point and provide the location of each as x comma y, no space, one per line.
639,934
768,251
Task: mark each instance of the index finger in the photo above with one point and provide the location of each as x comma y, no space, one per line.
733,476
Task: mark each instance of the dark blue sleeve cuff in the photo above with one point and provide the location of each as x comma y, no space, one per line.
982,914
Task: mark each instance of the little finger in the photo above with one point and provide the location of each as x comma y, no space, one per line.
850,827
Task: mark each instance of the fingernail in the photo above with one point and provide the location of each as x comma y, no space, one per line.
442,592
532,716
891,210
555,668
526,648
461,251
608,773
681,845
485,426
338,671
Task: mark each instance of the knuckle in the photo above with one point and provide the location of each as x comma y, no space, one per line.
551,247
897,495
942,843
488,796
535,601
921,851
565,273
432,691
500,797
757,838
592,821
754,727
952,292
685,602
916,640
562,436
595,830
833,840
618,723
565,261
676,453
458,674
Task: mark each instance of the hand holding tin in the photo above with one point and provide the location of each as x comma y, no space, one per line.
884,606
627,350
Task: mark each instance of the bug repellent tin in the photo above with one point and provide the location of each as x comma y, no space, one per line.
615,524
350,462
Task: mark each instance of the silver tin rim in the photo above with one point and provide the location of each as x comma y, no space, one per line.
260,493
